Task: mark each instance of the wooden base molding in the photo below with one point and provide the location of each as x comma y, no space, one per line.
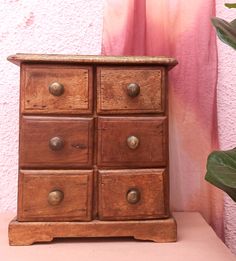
27,233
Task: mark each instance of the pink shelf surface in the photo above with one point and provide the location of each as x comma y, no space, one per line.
196,242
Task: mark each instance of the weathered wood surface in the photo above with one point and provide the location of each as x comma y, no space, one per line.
76,134
34,189
112,85
95,59
114,186
98,162
76,80
113,149
27,233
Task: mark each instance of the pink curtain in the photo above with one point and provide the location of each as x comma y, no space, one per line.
180,29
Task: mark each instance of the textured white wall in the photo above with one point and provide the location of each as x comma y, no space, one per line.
58,26
227,113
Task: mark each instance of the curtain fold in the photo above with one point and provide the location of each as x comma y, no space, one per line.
182,30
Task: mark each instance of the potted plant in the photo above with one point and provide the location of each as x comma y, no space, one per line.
221,165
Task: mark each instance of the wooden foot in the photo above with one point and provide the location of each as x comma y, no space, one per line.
27,233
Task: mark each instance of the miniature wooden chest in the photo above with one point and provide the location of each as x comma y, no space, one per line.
93,148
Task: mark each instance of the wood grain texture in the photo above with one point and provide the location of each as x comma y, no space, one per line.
36,132
112,83
36,98
112,141
35,186
27,233
114,186
92,59
94,118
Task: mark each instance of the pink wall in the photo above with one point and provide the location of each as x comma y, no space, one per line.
226,98
76,27
37,27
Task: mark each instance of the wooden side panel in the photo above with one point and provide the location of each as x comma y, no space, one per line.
34,189
36,98
114,186
112,90
36,133
113,149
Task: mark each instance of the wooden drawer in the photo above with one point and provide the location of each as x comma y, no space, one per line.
38,97
130,90
131,194
56,142
55,195
132,141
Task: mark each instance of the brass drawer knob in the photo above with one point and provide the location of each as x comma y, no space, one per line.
55,197
132,142
133,196
56,89
133,89
56,143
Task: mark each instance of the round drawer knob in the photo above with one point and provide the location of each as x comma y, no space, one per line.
133,89
56,143
133,196
132,142
55,197
56,89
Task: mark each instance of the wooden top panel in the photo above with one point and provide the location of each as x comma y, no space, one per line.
98,59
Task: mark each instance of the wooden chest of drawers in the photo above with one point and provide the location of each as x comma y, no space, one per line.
93,150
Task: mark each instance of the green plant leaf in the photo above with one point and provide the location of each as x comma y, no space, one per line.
229,5
233,23
225,31
221,171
